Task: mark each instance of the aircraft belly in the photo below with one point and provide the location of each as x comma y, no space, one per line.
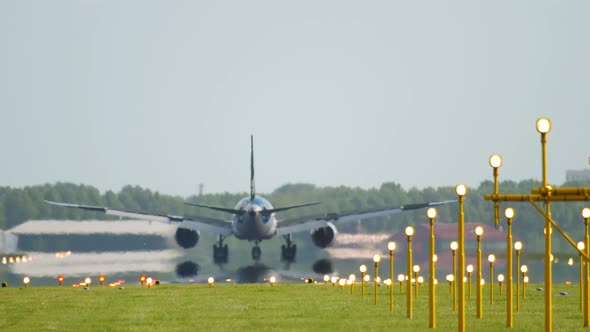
254,230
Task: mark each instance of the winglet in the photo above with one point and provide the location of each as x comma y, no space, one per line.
252,185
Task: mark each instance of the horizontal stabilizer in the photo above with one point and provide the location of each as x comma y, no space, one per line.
216,208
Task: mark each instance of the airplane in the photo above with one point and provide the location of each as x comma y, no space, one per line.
254,219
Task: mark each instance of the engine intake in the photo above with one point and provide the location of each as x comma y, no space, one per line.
324,237
186,238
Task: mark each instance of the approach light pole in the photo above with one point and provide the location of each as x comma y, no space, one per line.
409,232
391,248
431,214
461,190
478,233
509,214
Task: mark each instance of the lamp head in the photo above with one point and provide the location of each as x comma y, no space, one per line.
401,277
461,190
543,125
586,213
500,277
431,213
525,279
409,231
352,277
495,160
491,258
391,246
524,269
416,268
517,245
363,268
376,258
420,279
435,258
581,245
454,245
470,268
478,231
450,277
326,278
509,213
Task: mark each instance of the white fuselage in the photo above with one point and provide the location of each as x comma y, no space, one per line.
254,224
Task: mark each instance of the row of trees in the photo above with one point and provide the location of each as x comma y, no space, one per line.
18,205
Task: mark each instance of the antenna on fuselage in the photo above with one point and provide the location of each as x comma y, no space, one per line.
252,186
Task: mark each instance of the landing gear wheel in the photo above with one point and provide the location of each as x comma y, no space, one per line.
220,252
256,252
288,253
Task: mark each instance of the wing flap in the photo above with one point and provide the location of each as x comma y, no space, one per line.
314,222
218,226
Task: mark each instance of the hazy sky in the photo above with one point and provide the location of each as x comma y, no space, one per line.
165,94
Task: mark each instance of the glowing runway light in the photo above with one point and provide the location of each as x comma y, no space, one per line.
60,279
210,281
101,279
26,281
142,279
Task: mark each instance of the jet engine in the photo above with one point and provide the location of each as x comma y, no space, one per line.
324,237
186,238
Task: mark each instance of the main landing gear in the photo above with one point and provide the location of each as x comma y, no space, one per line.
220,252
288,250
256,252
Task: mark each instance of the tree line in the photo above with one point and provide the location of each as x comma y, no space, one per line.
18,205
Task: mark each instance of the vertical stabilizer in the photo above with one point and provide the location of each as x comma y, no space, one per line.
252,186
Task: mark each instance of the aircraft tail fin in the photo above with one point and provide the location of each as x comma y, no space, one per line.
252,184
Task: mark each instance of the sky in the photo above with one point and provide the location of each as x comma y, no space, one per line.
165,94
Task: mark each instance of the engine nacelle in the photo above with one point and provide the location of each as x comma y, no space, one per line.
186,238
324,237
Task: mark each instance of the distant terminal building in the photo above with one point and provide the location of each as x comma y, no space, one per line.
577,175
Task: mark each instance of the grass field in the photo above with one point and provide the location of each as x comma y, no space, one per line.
255,307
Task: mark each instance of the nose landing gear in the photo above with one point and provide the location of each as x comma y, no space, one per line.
256,252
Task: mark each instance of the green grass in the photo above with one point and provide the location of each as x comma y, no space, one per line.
260,307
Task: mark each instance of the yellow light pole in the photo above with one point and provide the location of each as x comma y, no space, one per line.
451,280
352,279
454,245
363,269
525,282
409,232
478,233
586,217
461,190
469,272
543,127
391,248
416,269
376,260
581,247
509,214
491,259
495,162
523,270
400,279
517,248
431,214
500,281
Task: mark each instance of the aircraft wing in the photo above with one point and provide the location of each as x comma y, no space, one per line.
310,223
218,226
